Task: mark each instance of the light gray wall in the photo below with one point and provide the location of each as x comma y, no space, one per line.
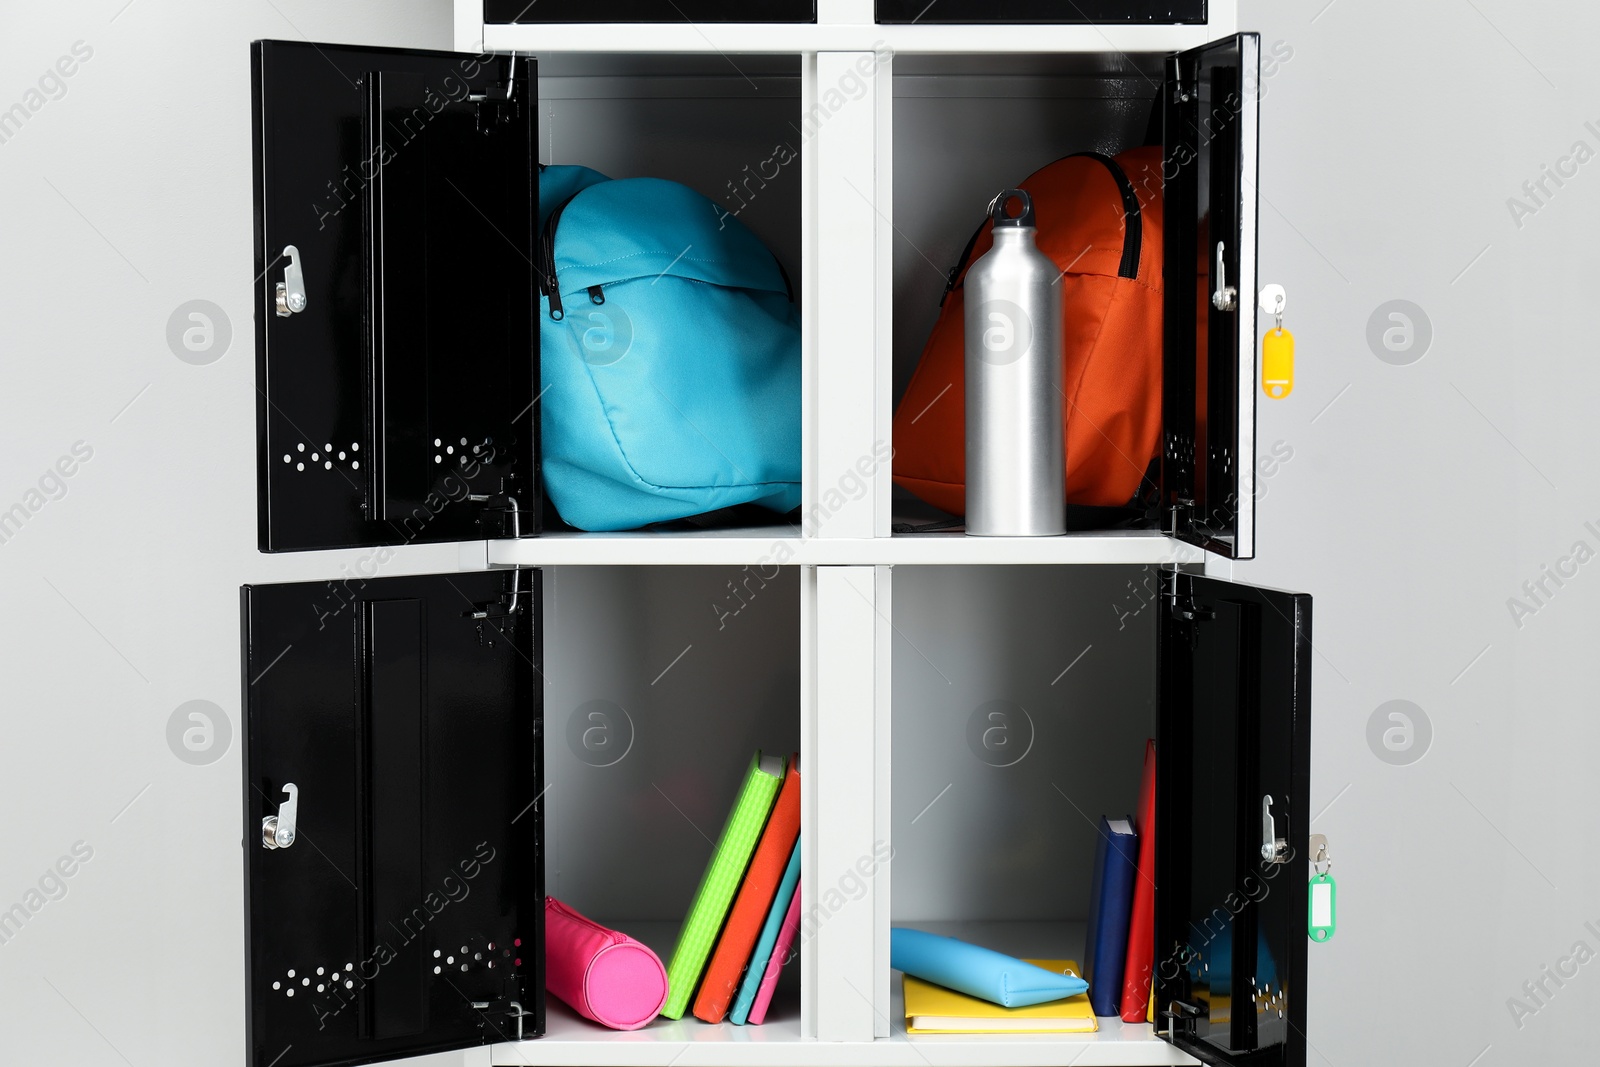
1425,495
124,198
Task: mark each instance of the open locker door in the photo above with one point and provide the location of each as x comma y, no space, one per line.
396,359
394,875
1233,795
1209,326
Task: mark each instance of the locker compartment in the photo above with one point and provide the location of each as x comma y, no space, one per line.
398,369
727,127
1027,111
440,761
1021,719
1018,721
660,684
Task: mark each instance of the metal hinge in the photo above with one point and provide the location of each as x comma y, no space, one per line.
1182,606
509,1008
499,92
1181,90
510,506
500,608
1180,1017
1178,517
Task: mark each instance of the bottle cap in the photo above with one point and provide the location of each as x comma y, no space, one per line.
998,208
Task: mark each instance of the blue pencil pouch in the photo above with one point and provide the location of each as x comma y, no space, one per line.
976,971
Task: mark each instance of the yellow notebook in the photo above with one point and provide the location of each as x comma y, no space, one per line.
932,1009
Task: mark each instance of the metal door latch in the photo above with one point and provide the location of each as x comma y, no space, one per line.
277,831
292,290
1226,297
1274,849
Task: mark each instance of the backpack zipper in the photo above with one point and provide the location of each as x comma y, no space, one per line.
1132,239
546,268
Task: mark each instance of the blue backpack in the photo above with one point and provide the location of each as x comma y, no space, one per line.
670,352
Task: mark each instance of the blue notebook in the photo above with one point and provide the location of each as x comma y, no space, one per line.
1116,866
769,937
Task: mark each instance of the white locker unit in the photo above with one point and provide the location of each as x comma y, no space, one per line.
431,726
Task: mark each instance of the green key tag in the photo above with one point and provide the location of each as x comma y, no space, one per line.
1321,907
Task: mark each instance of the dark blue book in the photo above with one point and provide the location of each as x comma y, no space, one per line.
1116,866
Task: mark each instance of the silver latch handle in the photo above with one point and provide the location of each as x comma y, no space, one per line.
1274,849
1226,297
292,290
277,831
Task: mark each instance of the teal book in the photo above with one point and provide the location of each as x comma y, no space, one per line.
721,881
769,937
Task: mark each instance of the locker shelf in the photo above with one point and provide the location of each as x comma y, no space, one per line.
767,546
576,1042
734,38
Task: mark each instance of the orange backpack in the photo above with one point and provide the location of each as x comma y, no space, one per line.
1100,220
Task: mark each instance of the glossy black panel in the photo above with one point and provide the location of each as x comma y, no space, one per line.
522,11
1210,150
396,685
405,180
1042,11
413,733
1234,728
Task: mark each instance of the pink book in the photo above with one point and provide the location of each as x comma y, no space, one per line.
780,956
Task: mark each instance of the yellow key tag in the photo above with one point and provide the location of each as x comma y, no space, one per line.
1277,363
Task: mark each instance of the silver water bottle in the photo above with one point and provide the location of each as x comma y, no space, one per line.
1016,448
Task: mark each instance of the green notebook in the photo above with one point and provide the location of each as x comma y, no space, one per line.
721,881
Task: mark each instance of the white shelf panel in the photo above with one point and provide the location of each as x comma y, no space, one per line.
571,1041
778,1043
767,546
737,38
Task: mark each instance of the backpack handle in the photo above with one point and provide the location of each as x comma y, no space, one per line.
997,208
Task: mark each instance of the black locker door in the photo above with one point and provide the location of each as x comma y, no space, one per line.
396,358
1210,138
1233,794
392,845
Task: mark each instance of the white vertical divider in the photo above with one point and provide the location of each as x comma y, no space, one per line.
841,909
467,19
883,274
882,838
809,983
809,766
844,498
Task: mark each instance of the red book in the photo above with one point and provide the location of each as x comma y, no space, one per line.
751,906
1142,923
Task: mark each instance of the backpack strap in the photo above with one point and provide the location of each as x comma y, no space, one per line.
1132,239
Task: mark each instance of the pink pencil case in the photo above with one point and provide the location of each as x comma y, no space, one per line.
600,973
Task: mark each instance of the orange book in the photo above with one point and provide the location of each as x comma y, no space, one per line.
750,908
